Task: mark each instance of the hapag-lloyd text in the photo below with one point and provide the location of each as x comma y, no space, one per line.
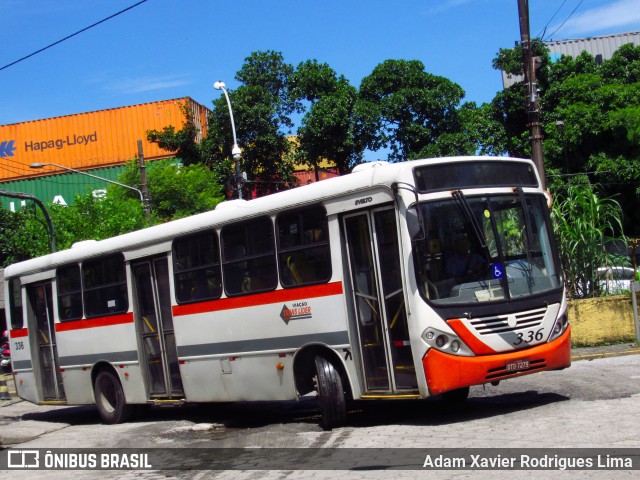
69,140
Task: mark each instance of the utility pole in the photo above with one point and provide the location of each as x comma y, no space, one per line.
143,180
531,89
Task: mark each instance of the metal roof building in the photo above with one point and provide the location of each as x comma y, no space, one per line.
601,48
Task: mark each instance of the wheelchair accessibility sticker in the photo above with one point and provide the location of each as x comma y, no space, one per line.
498,270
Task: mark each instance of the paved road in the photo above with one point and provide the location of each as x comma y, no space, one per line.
594,404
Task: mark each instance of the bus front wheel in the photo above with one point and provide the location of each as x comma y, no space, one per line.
331,397
458,395
110,398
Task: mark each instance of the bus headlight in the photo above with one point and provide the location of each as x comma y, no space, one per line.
559,327
446,342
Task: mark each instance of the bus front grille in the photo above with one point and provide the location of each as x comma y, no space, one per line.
508,323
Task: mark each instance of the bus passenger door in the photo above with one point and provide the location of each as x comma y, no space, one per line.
41,322
155,327
383,335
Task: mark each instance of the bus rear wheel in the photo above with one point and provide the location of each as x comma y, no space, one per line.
110,399
331,397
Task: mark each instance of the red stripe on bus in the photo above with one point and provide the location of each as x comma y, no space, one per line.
20,332
478,347
285,295
95,322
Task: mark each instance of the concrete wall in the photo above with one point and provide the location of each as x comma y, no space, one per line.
600,320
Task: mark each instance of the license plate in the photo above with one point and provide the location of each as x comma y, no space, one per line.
517,365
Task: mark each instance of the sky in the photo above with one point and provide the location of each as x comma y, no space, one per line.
165,49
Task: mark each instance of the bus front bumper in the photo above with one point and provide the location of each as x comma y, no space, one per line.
446,372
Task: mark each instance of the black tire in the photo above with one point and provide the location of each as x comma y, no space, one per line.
458,395
331,397
110,400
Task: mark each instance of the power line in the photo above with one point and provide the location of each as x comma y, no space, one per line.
71,36
566,20
543,31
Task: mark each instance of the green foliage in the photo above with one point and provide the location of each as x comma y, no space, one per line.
327,128
11,249
261,109
269,71
510,60
586,225
408,109
481,132
88,218
176,191
183,190
399,106
597,105
182,142
99,218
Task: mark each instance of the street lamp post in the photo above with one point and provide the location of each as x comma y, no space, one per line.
236,153
40,165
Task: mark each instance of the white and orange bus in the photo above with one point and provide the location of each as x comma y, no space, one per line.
396,281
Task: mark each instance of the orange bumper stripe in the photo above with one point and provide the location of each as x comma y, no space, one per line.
446,372
478,347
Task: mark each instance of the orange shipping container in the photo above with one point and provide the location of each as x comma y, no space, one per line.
93,139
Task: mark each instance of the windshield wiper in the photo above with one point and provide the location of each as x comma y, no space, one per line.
473,221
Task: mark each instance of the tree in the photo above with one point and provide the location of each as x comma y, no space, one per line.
182,142
177,191
586,225
327,128
261,107
11,250
88,218
595,106
406,109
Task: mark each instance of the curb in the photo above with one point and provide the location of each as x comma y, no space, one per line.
604,354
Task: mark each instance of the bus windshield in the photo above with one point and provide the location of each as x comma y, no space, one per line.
486,248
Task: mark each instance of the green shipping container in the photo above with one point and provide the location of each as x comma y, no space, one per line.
60,188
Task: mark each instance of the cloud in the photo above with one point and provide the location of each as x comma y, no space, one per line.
614,17
147,84
447,5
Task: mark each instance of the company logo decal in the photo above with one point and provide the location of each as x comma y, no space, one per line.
23,459
68,141
7,148
298,311
363,201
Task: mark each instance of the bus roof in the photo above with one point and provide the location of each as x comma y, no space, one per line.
363,177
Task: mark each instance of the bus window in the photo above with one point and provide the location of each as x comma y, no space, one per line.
303,247
69,293
196,267
105,286
249,263
15,301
